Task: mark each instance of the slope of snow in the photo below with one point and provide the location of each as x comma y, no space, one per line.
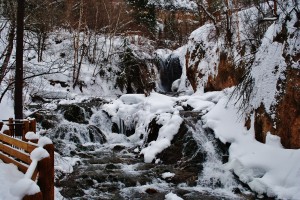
266,168
136,110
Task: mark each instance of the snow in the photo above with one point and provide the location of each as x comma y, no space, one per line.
43,141
31,136
165,136
24,187
253,162
39,154
269,59
17,184
178,4
4,128
198,104
138,110
6,107
167,175
64,164
9,174
172,196
203,42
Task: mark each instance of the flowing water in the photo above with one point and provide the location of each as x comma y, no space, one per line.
114,170
214,177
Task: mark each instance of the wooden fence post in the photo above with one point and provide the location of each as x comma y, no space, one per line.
11,127
25,129
32,125
46,174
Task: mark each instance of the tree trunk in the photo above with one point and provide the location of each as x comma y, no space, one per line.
19,66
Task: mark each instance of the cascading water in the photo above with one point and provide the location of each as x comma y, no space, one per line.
170,70
214,177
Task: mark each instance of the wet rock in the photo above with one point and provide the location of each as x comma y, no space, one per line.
118,148
115,128
47,119
90,103
111,166
153,129
73,113
151,191
96,135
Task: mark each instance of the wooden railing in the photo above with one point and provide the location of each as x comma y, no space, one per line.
27,125
17,150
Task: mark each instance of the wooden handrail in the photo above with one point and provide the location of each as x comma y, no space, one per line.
16,151
27,125
18,143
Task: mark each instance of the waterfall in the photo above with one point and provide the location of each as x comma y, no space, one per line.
170,70
122,128
214,176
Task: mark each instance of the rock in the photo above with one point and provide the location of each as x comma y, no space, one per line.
96,135
73,113
151,191
153,129
46,118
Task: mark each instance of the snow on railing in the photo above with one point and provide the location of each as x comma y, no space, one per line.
35,160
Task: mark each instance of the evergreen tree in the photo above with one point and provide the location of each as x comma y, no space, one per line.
144,13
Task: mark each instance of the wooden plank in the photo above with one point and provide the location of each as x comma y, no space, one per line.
15,153
18,143
22,167
37,196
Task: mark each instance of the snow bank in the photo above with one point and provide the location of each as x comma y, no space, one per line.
172,196
137,111
266,168
167,175
165,136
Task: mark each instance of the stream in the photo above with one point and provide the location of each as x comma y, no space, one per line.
192,168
